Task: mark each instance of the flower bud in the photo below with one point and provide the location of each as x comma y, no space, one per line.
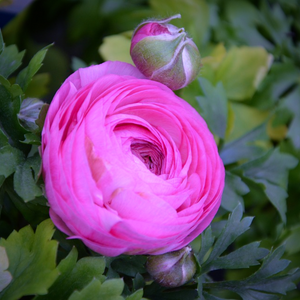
32,114
164,53
172,269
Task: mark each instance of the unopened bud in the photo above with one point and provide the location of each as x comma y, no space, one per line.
172,269
164,53
32,114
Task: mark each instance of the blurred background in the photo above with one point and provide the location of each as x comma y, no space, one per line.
78,27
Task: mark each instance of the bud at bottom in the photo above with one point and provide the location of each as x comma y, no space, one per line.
172,269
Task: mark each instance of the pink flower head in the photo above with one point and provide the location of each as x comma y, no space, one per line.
129,167
164,53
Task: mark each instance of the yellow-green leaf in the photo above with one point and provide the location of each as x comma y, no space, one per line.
32,261
117,47
242,70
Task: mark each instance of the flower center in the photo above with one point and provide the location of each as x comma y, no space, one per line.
149,154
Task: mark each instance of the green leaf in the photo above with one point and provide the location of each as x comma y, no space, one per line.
245,118
25,178
242,70
278,284
129,265
66,265
264,283
234,227
32,139
271,171
275,22
138,295
95,290
233,190
213,106
207,296
138,282
10,60
10,158
109,290
292,244
75,276
255,295
271,265
244,17
200,280
91,292
207,240
117,47
249,146
243,257
282,76
25,76
5,276
10,102
34,212
31,261
293,105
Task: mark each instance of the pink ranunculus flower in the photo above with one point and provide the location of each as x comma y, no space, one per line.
129,167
